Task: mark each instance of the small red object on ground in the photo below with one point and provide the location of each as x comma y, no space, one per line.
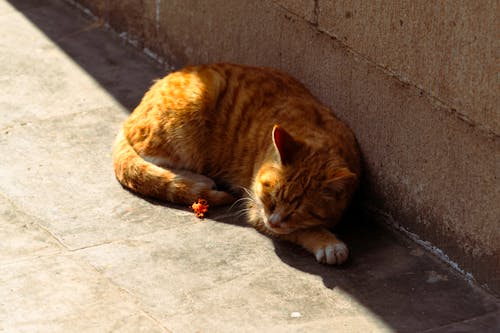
200,208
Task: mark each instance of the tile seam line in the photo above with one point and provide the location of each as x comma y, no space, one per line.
134,237
137,303
55,253
36,220
21,123
111,242
460,321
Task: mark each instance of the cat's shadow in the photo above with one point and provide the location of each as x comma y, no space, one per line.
354,230
331,275
221,214
360,235
379,275
290,254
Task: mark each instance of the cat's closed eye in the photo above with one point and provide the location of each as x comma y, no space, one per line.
272,206
318,216
332,194
266,184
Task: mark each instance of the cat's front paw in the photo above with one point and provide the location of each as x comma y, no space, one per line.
332,254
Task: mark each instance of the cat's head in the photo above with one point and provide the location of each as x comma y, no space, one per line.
303,188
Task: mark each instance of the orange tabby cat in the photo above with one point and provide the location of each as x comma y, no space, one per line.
240,127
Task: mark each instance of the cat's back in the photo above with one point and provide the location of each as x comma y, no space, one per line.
223,114
281,99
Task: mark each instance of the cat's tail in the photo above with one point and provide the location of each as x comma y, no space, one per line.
150,180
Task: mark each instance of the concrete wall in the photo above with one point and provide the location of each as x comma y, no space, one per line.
417,81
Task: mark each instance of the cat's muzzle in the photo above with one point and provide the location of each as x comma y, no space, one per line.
274,222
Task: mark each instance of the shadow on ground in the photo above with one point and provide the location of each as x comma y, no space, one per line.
394,279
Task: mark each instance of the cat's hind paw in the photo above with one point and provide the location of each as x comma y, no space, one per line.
188,187
218,198
332,254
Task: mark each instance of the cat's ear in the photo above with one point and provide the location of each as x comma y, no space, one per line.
340,179
285,144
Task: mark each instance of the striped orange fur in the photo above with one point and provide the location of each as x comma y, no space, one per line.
255,132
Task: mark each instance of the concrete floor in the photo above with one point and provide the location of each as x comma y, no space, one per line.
80,254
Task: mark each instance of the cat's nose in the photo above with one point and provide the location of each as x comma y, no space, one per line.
275,220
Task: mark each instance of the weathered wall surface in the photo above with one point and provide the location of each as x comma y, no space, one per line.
417,82
447,48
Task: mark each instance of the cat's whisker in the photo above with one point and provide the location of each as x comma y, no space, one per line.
238,202
247,191
250,198
237,214
242,212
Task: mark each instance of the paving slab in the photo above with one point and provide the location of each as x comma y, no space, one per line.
60,171
59,294
21,236
210,276
79,253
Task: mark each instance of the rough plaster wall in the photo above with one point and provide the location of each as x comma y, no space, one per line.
432,171
448,48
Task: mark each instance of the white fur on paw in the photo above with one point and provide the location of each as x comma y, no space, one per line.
332,254
202,183
197,183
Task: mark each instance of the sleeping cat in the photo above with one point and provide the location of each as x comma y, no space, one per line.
255,132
